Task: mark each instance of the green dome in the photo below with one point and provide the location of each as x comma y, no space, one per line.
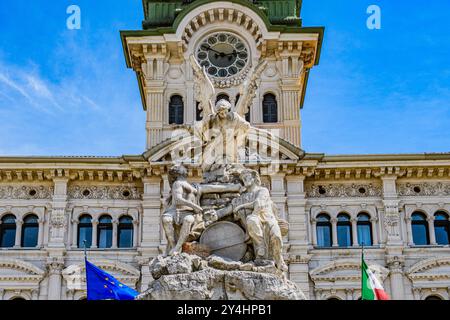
163,13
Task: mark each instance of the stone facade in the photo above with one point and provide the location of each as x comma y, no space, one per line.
388,188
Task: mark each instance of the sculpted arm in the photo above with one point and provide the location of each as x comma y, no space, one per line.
213,188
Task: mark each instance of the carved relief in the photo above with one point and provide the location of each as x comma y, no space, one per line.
424,189
26,192
104,192
343,190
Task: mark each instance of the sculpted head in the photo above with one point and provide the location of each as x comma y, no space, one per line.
250,177
223,107
176,172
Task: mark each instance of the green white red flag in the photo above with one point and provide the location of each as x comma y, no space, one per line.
371,286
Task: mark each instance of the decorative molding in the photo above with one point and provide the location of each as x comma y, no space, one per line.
104,192
343,190
424,189
26,192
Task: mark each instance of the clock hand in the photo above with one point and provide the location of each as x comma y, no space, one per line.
211,49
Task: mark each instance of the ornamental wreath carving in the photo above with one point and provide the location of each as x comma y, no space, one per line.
26,192
104,192
343,190
424,189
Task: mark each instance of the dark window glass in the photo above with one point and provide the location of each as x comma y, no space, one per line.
442,228
8,231
433,298
222,96
344,231
364,230
270,108
85,231
104,232
419,227
30,232
125,232
323,231
176,110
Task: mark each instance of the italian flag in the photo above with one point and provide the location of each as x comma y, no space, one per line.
371,286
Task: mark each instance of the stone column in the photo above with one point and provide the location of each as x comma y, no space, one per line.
34,294
431,230
298,234
299,271
395,264
314,231
409,231
391,210
417,293
135,233
94,233
115,224
54,268
349,294
19,224
355,232
75,233
70,294
58,218
2,293
374,222
151,216
334,232
41,233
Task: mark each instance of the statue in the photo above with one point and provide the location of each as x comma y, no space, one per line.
223,135
222,131
259,216
182,218
211,226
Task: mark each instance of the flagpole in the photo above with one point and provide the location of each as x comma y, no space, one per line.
362,270
85,253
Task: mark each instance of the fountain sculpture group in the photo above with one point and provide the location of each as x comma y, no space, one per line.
224,235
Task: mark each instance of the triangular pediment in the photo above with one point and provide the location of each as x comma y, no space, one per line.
345,271
430,269
18,270
260,148
75,275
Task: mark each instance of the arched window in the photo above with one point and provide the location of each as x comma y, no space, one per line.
125,232
333,299
270,108
344,230
176,110
433,297
323,230
18,299
222,96
419,227
364,230
8,231
442,228
30,231
85,231
104,232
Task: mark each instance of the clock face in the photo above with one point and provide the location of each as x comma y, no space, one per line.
222,54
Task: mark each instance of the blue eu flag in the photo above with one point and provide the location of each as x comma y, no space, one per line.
103,286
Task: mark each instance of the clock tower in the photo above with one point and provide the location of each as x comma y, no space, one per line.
228,39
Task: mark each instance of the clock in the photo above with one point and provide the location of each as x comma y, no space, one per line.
223,55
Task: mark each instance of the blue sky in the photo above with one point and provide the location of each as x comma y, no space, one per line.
68,92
